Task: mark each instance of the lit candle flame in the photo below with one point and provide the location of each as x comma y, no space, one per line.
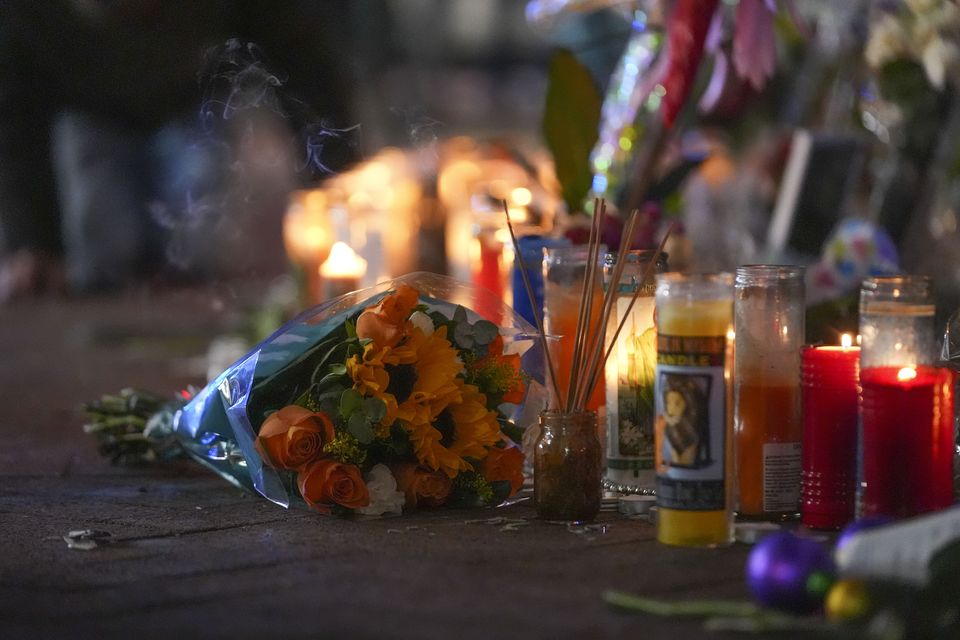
343,263
846,341
907,373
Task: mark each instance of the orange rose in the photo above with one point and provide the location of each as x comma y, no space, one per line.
504,464
422,487
326,482
386,322
294,436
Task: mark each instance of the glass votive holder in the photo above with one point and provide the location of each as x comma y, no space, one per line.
906,403
829,477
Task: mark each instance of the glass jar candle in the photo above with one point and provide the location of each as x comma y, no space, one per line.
566,467
630,375
694,409
563,275
906,404
769,326
530,260
829,476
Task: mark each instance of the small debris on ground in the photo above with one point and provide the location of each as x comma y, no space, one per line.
86,539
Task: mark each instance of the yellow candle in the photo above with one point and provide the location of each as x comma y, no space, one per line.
693,431
342,271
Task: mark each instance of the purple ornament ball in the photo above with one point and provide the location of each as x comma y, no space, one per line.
780,568
855,527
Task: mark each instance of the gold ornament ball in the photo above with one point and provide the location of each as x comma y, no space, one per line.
847,600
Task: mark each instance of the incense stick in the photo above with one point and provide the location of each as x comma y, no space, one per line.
636,294
533,306
596,339
586,298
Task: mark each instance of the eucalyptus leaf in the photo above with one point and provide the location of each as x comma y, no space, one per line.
511,430
360,428
463,335
329,401
375,409
571,122
460,315
350,402
484,332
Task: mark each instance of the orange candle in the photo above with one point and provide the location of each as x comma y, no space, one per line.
562,292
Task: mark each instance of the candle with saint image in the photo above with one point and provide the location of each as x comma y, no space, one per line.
693,430
830,378
342,271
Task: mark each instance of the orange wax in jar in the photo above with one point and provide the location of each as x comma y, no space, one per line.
775,434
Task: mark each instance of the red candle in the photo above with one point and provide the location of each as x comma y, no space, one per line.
829,457
487,271
907,440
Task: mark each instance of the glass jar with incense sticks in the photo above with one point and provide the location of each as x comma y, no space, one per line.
693,394
630,373
567,470
570,286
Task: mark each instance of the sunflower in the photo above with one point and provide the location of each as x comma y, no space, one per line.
475,427
371,379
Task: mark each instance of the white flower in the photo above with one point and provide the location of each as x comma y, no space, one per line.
423,322
923,6
384,497
888,41
941,59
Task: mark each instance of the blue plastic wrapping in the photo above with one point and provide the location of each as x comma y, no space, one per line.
219,426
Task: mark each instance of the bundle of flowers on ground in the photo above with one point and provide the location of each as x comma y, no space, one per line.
390,398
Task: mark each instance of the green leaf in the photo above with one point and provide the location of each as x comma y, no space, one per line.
329,401
484,332
681,608
360,428
501,491
463,335
571,122
512,431
375,409
673,179
350,402
460,315
351,330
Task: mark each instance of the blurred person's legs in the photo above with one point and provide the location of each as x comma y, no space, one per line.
101,184
30,242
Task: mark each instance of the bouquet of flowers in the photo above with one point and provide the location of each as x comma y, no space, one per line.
388,398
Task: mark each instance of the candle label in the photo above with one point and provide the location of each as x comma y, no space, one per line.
691,414
781,476
630,392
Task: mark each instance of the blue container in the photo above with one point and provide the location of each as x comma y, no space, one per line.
531,260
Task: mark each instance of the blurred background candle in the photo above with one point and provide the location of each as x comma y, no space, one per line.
906,460
342,271
828,481
530,261
768,429
307,238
